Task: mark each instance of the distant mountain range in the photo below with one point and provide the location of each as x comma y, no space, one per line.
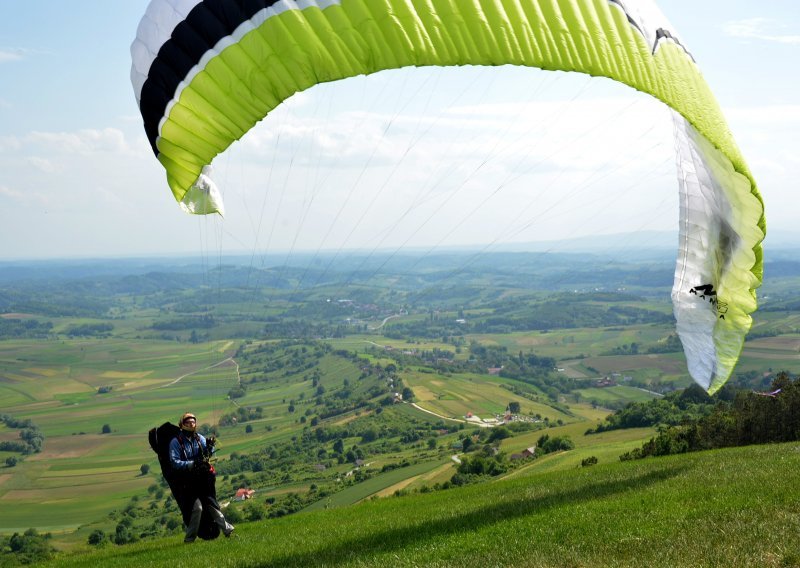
634,246
639,241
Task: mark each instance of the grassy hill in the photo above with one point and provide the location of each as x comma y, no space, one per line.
731,508
300,384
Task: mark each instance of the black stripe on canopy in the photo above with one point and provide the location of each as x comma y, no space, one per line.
207,23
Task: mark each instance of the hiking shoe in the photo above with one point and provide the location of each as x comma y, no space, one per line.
229,531
189,539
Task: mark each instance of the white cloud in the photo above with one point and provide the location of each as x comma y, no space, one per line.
24,199
84,142
764,29
42,164
509,136
8,192
7,55
73,172
9,143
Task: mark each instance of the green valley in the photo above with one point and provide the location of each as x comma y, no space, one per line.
399,382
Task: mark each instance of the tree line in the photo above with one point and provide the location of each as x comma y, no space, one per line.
31,439
13,328
672,409
749,418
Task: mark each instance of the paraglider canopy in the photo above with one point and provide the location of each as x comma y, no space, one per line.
205,71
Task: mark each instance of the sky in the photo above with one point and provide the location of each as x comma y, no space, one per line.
421,158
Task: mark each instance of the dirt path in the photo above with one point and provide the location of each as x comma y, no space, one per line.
383,323
479,424
179,379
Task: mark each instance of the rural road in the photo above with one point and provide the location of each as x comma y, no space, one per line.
481,424
231,359
383,323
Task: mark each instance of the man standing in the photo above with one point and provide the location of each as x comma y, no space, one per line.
188,455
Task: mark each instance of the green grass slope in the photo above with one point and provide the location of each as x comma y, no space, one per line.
731,508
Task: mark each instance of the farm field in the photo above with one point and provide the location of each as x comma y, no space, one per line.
615,393
320,405
569,343
82,474
362,342
781,351
482,397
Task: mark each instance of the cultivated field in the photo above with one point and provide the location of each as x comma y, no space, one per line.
82,474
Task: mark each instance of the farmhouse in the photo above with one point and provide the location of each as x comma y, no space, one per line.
525,454
244,493
606,382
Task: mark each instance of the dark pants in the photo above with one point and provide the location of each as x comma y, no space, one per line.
206,515
196,496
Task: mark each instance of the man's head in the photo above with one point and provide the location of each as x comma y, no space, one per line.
188,422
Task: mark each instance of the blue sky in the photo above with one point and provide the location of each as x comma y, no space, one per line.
426,158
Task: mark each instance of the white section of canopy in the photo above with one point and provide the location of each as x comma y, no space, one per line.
203,198
713,249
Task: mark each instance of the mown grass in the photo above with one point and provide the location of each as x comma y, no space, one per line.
727,508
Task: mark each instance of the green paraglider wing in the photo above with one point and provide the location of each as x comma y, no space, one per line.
206,71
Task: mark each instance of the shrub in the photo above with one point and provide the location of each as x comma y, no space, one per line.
97,537
499,433
233,515
547,444
29,547
254,511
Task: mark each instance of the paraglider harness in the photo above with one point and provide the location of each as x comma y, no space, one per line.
160,439
184,485
202,458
